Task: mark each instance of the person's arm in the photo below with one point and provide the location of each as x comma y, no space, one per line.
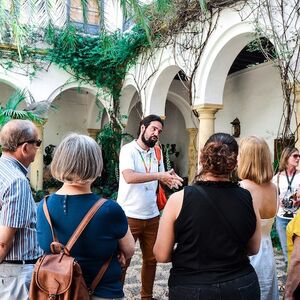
6,238
169,178
164,244
254,243
15,212
126,244
293,276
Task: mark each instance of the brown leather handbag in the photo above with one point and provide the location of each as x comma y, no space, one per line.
58,275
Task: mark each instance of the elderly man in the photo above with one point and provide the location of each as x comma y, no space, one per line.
18,243
140,172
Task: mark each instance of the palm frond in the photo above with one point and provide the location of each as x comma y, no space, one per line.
10,111
163,5
84,4
203,5
10,114
15,99
133,8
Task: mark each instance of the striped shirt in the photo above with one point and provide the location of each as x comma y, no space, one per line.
18,209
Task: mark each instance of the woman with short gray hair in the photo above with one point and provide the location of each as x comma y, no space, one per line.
77,162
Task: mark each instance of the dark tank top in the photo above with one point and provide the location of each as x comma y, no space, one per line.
207,250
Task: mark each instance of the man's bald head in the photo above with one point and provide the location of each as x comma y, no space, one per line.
15,132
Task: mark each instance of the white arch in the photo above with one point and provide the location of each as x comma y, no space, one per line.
11,82
70,85
127,94
159,87
85,87
184,108
15,84
217,60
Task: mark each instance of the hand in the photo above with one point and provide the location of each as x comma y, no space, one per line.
122,259
296,203
288,297
171,179
297,198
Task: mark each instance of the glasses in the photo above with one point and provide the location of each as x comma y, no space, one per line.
36,142
296,156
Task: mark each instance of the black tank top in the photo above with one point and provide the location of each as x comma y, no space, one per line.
206,250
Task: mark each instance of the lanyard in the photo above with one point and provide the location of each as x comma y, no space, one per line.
147,168
290,181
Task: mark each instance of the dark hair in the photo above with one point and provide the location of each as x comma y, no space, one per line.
147,120
219,155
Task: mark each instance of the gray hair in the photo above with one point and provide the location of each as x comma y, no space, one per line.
78,158
15,132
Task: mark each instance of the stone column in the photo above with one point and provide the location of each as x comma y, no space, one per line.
206,116
93,132
37,167
193,152
297,101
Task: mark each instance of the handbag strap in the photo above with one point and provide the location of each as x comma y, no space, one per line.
76,235
47,215
228,225
79,228
100,275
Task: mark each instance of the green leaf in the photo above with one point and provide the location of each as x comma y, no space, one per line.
11,111
203,5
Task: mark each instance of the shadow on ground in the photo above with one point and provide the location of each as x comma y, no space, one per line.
133,283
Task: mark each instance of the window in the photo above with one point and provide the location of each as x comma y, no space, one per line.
94,17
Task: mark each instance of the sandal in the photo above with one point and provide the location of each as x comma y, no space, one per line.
281,288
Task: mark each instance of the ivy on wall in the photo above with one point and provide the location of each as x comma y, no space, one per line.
102,60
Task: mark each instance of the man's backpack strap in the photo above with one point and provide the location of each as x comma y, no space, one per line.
85,221
157,153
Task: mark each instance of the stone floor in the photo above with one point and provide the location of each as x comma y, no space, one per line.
132,283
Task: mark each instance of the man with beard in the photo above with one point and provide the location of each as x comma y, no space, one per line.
139,175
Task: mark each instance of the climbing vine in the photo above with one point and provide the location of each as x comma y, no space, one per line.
185,26
278,22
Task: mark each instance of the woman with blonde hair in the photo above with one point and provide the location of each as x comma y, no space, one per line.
255,170
77,162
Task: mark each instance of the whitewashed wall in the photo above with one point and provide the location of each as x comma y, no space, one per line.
175,133
5,92
71,115
255,97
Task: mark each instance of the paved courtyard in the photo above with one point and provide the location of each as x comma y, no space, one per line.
132,283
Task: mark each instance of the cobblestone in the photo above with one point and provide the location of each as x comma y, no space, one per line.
133,282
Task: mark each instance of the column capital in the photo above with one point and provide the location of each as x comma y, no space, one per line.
207,109
297,92
192,130
40,125
93,132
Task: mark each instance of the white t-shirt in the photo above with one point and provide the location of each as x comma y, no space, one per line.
138,200
285,193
